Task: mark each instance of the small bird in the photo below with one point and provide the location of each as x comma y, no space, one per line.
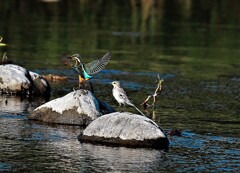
85,71
120,95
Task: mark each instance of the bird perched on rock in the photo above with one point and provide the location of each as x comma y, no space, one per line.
85,71
120,95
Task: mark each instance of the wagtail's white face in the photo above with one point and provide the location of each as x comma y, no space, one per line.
116,83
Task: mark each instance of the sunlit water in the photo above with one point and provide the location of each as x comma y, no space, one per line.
196,55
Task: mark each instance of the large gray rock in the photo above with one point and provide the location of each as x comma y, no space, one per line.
125,129
79,107
14,79
17,80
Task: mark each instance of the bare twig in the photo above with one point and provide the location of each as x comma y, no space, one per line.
4,57
2,44
158,89
154,95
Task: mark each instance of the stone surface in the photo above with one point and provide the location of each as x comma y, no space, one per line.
125,129
17,80
40,84
79,107
14,79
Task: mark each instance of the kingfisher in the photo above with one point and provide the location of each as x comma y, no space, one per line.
86,71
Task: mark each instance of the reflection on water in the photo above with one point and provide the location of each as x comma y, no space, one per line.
193,45
35,146
18,105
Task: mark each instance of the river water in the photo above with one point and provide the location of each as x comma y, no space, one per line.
193,45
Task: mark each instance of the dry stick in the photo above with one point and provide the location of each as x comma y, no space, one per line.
159,88
4,57
2,44
156,93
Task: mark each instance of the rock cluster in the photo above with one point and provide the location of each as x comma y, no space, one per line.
81,107
104,125
16,80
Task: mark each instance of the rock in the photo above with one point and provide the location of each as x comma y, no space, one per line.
125,129
79,107
17,80
14,79
41,85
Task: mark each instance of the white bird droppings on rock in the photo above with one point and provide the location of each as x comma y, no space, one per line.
79,107
83,100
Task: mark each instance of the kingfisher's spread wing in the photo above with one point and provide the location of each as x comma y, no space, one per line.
97,65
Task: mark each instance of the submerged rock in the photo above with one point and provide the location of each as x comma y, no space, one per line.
17,80
125,129
79,107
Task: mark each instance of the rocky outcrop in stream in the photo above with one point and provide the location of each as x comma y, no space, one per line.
125,129
79,107
16,80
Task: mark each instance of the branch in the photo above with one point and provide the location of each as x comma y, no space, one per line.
2,44
154,95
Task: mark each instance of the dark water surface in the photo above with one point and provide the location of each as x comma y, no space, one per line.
193,45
